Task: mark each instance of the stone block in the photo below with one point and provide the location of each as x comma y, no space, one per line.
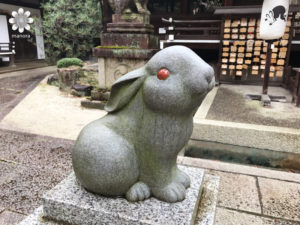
231,217
238,192
280,199
67,77
265,100
204,216
140,41
93,104
123,52
134,18
110,69
69,202
128,23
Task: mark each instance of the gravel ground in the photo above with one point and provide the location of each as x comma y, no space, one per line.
29,166
231,106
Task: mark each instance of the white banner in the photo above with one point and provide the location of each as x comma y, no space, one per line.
274,16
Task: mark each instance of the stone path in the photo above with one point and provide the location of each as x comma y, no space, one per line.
32,164
50,112
253,199
16,85
21,66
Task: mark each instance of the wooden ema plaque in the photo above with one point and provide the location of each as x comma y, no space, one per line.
244,53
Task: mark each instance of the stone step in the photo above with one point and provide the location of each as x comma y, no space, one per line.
272,138
70,203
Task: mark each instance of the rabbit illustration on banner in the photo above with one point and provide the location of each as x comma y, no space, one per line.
274,16
132,151
279,12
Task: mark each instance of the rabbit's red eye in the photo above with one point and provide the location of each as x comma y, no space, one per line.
163,74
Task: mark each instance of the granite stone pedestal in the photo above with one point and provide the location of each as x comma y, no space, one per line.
127,44
69,203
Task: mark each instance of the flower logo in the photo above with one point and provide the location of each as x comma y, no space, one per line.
20,20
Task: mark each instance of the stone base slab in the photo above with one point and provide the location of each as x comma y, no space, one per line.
133,18
204,216
69,202
127,28
130,22
125,53
136,40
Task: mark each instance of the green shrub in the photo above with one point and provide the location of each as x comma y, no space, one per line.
70,27
66,62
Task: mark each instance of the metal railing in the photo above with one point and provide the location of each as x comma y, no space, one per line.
7,48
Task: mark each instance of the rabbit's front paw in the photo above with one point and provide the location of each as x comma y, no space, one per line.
138,192
174,192
183,178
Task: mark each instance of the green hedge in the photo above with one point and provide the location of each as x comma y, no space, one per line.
66,62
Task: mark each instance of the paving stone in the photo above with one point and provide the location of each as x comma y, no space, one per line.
22,191
232,217
34,150
283,222
280,199
10,218
238,192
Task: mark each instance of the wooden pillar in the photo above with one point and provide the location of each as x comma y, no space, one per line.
227,2
185,6
267,69
106,13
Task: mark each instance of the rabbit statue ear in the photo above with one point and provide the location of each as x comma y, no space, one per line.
124,89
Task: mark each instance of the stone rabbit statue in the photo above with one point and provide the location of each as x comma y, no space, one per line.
132,151
125,6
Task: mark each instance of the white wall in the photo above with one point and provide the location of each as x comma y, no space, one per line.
4,35
34,12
